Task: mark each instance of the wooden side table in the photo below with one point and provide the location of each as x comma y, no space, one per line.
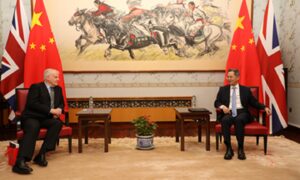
88,118
201,116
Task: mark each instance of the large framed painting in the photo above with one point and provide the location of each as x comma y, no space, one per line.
143,35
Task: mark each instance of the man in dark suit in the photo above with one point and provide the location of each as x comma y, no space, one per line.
44,105
234,100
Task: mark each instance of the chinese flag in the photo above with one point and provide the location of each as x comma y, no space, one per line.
242,54
41,52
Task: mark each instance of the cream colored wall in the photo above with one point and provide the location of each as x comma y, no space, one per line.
203,85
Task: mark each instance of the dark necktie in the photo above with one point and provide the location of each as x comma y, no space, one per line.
233,102
52,97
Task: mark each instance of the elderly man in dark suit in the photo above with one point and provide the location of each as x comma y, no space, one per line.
234,100
44,105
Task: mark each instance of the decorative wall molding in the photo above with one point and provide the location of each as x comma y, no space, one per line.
134,85
127,102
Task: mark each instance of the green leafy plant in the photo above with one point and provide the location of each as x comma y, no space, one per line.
143,126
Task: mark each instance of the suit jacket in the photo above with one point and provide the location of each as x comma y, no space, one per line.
247,99
38,101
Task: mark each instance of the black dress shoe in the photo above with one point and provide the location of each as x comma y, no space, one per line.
241,154
21,168
40,159
30,169
229,154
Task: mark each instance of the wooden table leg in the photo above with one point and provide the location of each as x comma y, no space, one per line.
79,136
109,131
177,129
86,132
207,133
106,124
199,131
182,134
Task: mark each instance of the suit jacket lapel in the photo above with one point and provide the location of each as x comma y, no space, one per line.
227,95
45,90
55,96
242,95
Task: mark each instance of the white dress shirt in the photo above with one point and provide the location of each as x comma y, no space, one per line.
238,97
48,87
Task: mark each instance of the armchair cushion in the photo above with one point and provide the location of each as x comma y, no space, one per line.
65,131
253,128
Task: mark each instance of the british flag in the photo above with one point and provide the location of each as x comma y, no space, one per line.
274,90
12,71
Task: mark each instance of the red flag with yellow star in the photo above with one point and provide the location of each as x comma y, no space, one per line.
42,52
242,54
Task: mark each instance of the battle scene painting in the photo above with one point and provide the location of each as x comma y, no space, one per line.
143,35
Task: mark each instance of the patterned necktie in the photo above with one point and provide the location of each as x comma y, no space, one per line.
233,102
52,97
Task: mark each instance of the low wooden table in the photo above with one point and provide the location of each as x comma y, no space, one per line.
88,118
199,117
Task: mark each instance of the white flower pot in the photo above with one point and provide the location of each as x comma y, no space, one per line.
144,142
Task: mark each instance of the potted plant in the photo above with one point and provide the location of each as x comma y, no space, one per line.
144,132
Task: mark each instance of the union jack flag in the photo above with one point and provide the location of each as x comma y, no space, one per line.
274,90
12,71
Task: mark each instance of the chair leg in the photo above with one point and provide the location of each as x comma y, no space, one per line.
217,141
257,140
70,144
265,143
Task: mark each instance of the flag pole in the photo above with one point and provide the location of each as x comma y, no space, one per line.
31,2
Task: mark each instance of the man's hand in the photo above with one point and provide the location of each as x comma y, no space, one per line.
56,112
226,110
268,111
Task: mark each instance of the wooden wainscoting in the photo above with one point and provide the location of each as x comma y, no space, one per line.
125,109
155,114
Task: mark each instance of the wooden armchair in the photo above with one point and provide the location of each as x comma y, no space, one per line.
21,98
255,128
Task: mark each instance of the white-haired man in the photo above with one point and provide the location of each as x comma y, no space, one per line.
44,105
